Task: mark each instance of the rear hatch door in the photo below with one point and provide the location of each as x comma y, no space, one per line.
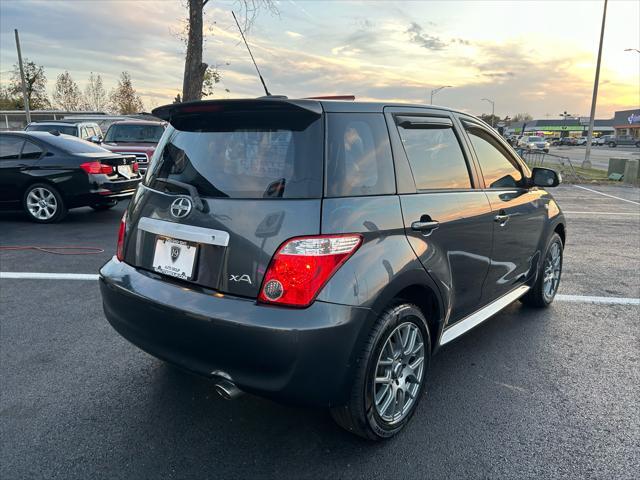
227,186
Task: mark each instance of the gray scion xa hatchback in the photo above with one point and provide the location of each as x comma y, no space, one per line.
319,252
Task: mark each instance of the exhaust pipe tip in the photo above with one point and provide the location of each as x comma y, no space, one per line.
227,390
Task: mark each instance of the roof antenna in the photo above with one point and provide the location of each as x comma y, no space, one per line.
253,59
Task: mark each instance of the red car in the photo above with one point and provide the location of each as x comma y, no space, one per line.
134,137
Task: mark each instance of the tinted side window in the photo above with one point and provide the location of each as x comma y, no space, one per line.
31,151
499,169
435,157
359,158
10,147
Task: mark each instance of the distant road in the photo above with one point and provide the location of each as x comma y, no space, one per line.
599,155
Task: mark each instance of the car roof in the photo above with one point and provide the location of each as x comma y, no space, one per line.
315,105
138,122
62,122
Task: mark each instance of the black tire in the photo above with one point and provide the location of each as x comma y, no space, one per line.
612,144
38,190
99,207
536,296
360,415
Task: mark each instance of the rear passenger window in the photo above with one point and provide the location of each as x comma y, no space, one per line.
10,147
30,151
498,168
435,156
359,158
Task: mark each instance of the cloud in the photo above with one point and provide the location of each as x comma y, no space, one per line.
294,34
417,36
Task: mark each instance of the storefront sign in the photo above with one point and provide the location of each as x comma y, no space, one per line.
634,118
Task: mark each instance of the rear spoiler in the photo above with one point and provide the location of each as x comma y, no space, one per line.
178,111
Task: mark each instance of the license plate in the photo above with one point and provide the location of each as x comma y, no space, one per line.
125,170
174,257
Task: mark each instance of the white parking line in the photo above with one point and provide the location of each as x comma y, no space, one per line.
93,277
601,213
607,195
48,276
602,300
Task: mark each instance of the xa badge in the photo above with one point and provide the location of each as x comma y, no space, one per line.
240,278
181,207
175,253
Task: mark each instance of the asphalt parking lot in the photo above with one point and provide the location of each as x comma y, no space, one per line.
545,394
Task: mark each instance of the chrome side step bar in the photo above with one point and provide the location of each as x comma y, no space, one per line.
486,312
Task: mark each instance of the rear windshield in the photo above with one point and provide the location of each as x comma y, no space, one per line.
66,129
129,133
243,156
71,144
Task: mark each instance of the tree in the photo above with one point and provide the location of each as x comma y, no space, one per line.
522,117
36,83
196,72
8,101
177,99
66,94
95,95
124,98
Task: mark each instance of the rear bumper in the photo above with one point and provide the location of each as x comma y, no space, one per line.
299,356
104,192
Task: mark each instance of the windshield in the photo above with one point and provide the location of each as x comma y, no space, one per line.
129,133
536,139
66,129
244,158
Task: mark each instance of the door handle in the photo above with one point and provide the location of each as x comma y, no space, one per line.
502,218
425,226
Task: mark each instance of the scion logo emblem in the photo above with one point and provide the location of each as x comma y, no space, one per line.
181,207
175,253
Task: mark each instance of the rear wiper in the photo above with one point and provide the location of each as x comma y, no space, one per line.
193,191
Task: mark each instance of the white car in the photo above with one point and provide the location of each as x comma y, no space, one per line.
534,143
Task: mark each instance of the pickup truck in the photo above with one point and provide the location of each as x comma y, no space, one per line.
134,137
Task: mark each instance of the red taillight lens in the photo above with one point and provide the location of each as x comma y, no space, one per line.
134,166
303,265
96,167
121,232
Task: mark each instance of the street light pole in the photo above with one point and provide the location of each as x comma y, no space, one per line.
436,90
24,84
587,153
493,109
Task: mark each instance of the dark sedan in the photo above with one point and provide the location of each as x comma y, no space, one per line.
48,173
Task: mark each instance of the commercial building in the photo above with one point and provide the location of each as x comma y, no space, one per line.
627,123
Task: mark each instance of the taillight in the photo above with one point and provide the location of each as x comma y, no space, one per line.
303,265
135,167
121,232
96,167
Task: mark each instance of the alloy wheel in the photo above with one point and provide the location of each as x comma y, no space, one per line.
552,269
399,373
42,203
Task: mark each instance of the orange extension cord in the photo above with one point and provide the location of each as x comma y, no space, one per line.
56,250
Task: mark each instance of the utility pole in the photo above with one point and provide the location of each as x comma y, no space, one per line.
587,153
24,84
436,90
493,109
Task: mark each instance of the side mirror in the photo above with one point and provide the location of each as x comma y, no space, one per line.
545,177
96,139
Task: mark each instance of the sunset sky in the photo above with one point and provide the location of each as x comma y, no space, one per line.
536,57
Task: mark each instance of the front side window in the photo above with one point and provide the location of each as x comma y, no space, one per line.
435,156
359,158
498,168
